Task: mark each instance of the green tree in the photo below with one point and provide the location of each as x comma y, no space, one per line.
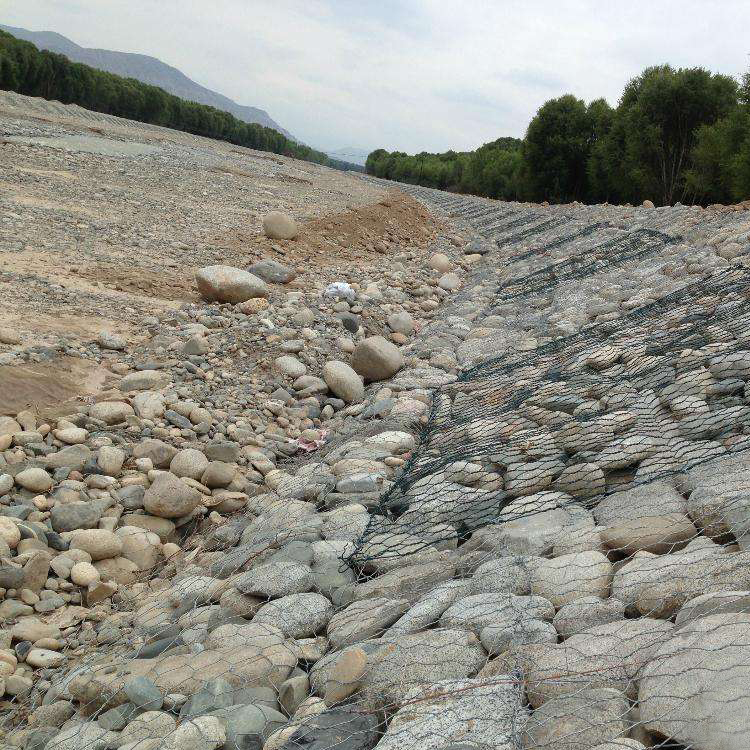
675,135
720,170
600,177
744,90
660,113
717,171
493,170
556,149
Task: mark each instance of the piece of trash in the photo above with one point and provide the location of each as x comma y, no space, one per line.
340,290
310,445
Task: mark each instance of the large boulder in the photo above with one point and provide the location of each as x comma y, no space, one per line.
718,603
440,262
157,725
569,577
34,480
658,585
587,612
343,381
718,503
504,575
525,479
36,571
338,728
401,322
428,610
111,412
405,662
296,615
290,365
77,736
582,720
169,497
139,546
9,531
118,569
228,284
695,688
377,359
393,441
276,579
279,226
272,271
485,713
162,527
247,725
477,611
199,733
99,543
149,405
218,474
189,462
9,426
605,656
73,457
242,655
159,452
531,525
498,638
407,582
644,501
367,618
657,534
449,281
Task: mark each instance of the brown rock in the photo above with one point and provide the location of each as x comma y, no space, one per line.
344,678
375,358
36,571
169,497
99,543
162,527
658,534
279,226
160,453
228,284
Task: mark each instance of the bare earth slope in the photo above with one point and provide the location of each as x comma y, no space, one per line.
106,221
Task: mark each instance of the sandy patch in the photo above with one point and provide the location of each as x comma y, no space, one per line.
50,389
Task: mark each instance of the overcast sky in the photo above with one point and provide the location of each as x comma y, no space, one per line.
405,74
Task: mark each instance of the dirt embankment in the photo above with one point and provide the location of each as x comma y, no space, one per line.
105,225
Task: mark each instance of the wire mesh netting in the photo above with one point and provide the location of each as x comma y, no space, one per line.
546,547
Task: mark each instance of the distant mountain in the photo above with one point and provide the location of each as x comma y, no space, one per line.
147,69
351,154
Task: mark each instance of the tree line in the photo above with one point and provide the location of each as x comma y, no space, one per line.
675,136
34,72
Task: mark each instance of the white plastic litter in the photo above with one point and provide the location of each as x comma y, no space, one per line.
340,290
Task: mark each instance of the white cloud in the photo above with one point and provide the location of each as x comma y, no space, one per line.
412,74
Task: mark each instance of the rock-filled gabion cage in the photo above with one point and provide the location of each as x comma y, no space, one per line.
561,561
515,426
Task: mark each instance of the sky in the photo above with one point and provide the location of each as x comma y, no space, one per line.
412,75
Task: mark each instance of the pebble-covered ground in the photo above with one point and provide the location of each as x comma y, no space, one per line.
435,472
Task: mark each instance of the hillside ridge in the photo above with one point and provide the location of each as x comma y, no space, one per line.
147,69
